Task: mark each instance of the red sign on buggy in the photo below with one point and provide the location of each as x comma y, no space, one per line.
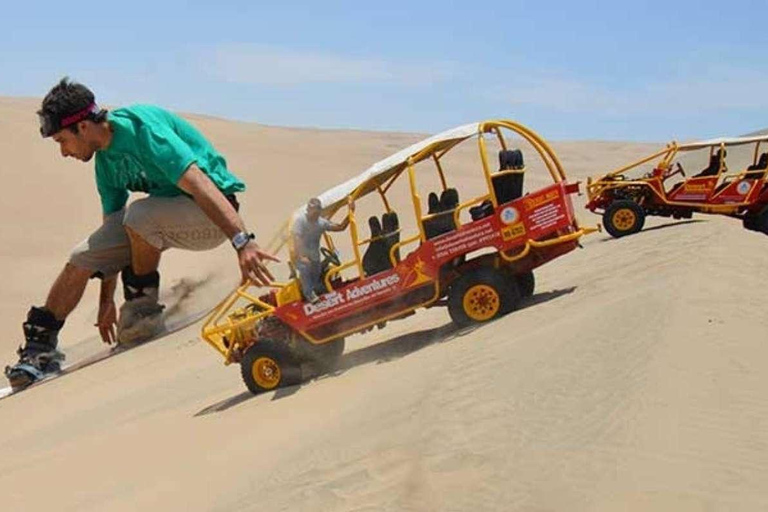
546,211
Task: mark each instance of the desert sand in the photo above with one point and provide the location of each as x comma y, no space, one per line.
634,380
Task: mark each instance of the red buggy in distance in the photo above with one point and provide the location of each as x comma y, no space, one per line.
626,196
475,256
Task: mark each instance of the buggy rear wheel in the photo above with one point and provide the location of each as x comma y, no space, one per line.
623,217
482,295
526,283
267,365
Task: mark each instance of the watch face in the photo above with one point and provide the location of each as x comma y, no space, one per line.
239,240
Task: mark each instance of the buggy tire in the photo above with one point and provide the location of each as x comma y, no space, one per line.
482,295
749,220
757,222
268,365
623,217
526,283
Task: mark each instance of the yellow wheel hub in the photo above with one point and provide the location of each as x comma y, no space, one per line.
624,219
266,372
481,302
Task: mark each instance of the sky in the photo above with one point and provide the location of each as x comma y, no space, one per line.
641,71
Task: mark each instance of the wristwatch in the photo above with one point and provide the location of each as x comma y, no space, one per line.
241,239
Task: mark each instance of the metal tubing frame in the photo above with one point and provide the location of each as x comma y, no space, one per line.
669,152
546,243
210,327
543,149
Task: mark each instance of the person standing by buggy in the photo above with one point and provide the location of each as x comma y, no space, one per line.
191,205
306,232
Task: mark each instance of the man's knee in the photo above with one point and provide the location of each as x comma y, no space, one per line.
73,271
135,235
95,261
139,222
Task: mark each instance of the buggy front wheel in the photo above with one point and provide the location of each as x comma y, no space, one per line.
623,217
267,366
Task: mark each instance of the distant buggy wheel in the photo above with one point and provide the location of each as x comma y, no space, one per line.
482,295
623,217
268,365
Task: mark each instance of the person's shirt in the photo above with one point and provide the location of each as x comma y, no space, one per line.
306,235
150,150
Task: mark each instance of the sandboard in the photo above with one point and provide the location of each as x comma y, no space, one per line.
171,325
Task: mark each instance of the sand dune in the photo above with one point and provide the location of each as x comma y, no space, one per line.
633,380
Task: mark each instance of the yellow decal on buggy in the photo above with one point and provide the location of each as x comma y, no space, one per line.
695,187
416,275
532,202
289,293
511,232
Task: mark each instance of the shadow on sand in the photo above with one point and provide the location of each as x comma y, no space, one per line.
660,226
384,352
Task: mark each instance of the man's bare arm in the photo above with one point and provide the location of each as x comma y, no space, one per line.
223,214
297,248
108,284
107,315
210,199
341,226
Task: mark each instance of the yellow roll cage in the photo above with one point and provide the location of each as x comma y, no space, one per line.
434,148
665,158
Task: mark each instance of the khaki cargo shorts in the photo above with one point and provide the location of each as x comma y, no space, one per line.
163,222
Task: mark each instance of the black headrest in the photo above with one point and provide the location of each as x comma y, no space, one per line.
433,202
510,159
763,162
375,225
390,222
449,199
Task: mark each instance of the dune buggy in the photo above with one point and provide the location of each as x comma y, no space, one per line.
627,195
474,256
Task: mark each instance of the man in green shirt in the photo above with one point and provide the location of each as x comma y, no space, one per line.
191,204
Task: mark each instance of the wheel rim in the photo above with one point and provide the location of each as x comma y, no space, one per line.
481,302
624,219
266,372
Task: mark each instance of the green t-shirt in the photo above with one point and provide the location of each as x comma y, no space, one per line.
151,148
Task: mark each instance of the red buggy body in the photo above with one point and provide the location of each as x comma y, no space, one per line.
626,196
476,257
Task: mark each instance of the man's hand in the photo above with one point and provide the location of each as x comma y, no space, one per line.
252,264
107,321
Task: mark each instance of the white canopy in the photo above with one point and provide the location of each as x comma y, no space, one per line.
728,141
381,171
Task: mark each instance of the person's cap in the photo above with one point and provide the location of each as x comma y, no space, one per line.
50,124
